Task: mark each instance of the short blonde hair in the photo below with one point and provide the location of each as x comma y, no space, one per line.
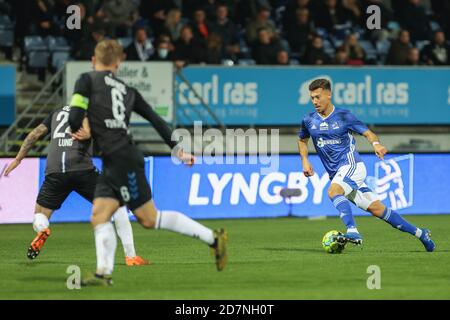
108,52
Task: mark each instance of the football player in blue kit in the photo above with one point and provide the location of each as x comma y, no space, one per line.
331,131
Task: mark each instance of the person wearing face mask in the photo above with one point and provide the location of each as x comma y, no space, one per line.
162,52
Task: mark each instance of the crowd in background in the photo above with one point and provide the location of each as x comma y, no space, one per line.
268,32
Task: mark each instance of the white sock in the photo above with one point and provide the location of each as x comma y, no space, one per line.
418,233
124,230
178,222
352,230
40,222
105,244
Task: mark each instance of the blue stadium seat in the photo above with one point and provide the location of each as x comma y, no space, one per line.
6,32
227,62
33,43
322,32
38,59
434,26
59,58
246,62
422,43
6,38
393,26
328,47
383,47
342,30
5,22
36,52
125,41
57,44
371,52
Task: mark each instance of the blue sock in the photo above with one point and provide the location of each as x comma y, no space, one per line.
396,221
343,206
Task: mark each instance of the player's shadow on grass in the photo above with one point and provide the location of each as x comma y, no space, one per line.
43,262
292,249
58,279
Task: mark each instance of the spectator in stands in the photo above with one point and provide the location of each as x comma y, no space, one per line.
441,10
86,48
261,20
332,14
189,49
173,24
247,9
355,52
413,57
414,18
315,53
141,49
399,50
162,52
266,48
355,15
438,52
227,30
290,14
200,26
301,32
118,16
215,50
340,57
282,58
155,12
43,13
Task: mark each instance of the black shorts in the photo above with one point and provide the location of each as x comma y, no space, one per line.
57,187
123,178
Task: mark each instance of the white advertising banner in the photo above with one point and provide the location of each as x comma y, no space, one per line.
154,80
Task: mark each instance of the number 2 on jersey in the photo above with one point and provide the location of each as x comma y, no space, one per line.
61,130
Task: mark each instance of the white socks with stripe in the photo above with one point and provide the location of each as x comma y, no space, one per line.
105,245
125,232
178,222
40,222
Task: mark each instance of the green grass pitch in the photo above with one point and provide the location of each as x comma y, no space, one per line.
268,259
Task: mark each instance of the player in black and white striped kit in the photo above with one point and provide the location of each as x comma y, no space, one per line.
69,168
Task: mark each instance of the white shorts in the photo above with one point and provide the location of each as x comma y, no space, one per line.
351,178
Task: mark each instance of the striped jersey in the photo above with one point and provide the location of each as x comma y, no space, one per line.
332,138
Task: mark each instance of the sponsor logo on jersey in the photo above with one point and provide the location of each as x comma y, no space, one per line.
334,126
313,127
323,126
322,142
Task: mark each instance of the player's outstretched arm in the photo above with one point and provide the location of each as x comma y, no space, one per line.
142,108
379,149
32,137
308,170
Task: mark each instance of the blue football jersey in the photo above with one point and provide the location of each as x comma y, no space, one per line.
332,137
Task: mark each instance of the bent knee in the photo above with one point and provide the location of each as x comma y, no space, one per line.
147,223
335,190
376,208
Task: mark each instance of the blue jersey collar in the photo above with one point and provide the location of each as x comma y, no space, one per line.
327,115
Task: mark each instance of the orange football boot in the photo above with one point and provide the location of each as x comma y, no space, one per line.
37,243
136,261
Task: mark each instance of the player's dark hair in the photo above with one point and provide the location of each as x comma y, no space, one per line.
320,84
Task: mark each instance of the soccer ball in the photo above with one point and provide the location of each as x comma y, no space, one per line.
330,244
